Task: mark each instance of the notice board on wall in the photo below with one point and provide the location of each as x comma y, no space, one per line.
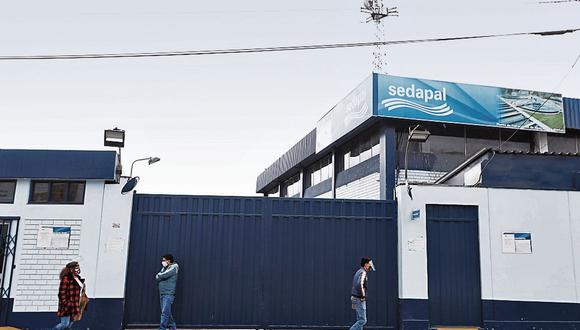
517,243
53,237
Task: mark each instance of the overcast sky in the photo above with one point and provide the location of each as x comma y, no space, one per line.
218,121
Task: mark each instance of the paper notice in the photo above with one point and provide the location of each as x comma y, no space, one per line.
44,237
115,245
416,244
508,243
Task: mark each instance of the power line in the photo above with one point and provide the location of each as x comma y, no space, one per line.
270,49
533,114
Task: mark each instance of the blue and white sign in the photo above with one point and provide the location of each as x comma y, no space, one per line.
348,114
429,100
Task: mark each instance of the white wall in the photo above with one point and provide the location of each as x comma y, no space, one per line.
327,194
553,218
367,187
92,227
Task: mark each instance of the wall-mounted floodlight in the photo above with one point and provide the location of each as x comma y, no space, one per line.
416,134
115,138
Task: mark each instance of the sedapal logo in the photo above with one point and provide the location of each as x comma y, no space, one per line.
425,95
356,106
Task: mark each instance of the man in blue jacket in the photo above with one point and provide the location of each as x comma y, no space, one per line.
358,294
167,279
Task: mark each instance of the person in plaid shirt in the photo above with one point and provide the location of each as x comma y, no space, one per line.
69,294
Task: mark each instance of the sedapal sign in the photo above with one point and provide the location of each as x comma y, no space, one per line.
448,102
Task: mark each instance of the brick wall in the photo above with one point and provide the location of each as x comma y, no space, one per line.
417,176
39,268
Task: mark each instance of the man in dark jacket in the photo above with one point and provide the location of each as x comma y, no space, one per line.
167,279
358,294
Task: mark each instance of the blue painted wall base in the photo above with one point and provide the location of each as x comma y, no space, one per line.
102,314
500,315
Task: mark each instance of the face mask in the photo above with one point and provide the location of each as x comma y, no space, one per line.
372,266
164,263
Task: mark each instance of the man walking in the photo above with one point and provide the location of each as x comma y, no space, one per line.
167,279
358,294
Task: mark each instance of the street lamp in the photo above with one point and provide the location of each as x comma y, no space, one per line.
416,134
150,160
132,183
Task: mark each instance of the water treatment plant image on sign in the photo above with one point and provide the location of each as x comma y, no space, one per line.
421,99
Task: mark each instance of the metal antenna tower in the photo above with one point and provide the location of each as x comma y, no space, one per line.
377,11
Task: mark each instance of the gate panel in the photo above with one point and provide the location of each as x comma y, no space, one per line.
261,262
453,265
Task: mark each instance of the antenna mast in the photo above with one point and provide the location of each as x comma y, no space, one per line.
377,11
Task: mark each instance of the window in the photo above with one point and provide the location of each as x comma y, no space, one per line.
360,149
518,141
320,171
564,143
4,227
7,189
479,138
57,192
292,186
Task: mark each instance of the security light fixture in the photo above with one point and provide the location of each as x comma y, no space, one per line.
115,138
419,135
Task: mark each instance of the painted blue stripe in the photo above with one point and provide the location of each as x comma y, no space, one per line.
102,313
57,164
500,315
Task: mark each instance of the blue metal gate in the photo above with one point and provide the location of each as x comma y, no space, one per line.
453,265
261,262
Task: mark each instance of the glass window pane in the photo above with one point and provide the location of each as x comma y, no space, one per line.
354,156
7,189
324,173
315,177
76,192
558,143
58,192
479,138
365,149
346,161
446,144
521,141
40,192
3,238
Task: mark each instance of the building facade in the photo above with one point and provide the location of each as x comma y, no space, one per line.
357,150
57,207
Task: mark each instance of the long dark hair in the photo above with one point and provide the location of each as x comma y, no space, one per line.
68,269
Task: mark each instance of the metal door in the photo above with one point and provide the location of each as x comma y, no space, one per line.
453,265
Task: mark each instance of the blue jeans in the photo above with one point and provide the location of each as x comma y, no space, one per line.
65,323
361,313
167,321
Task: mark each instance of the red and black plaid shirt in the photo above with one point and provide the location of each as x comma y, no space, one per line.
69,296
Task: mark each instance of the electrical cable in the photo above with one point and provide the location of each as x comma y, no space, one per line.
270,49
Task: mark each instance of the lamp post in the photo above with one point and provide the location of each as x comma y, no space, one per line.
150,160
416,134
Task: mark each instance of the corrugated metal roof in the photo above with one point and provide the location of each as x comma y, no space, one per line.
57,164
572,113
299,152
